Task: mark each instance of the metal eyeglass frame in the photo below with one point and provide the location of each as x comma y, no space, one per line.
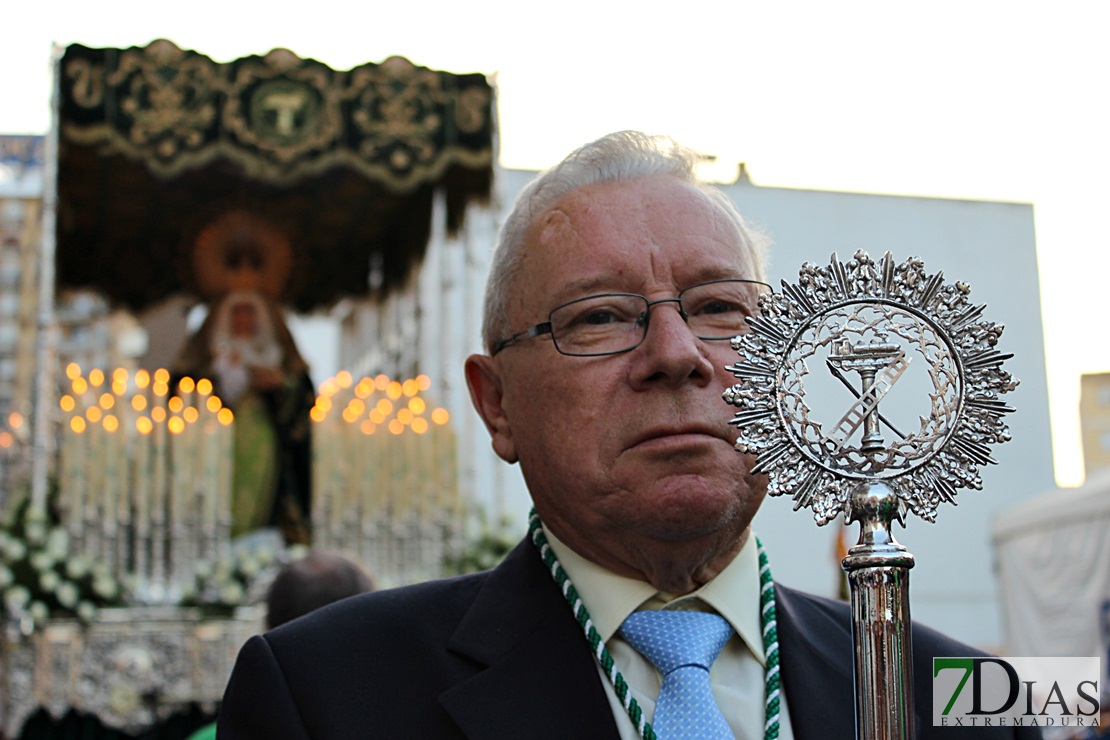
545,327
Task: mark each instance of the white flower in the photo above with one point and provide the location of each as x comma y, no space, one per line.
86,611
15,549
104,587
5,576
35,533
77,567
16,598
67,594
39,611
57,543
231,594
249,567
49,581
35,514
204,569
41,561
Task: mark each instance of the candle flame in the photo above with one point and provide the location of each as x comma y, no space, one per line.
176,425
161,375
6,439
440,416
77,424
96,377
107,401
15,420
225,416
213,403
186,384
176,404
93,414
158,414
419,425
191,415
73,371
417,405
80,385
67,403
142,378
381,382
138,402
423,382
204,386
111,423
394,390
144,425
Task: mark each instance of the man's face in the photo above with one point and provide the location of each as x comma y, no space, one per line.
630,450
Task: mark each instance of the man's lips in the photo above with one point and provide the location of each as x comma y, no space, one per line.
680,434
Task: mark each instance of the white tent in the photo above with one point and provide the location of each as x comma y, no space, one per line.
1053,557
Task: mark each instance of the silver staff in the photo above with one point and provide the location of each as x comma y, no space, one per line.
879,331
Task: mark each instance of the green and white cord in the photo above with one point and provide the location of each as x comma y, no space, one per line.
772,680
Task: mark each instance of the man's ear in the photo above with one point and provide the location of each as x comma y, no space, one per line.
483,378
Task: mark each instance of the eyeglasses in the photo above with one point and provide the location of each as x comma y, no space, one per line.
611,323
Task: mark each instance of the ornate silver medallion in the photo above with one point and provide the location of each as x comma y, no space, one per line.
833,363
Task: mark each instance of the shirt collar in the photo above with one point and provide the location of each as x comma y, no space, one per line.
610,598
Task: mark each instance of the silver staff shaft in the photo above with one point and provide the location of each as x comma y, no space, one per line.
878,575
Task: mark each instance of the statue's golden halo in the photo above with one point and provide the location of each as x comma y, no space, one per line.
241,251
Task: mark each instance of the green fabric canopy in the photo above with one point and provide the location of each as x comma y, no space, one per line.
156,144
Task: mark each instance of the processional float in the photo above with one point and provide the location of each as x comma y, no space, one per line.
164,170
820,436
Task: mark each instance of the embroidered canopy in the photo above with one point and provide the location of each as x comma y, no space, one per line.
169,160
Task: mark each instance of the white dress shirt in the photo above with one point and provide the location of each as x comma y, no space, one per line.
737,675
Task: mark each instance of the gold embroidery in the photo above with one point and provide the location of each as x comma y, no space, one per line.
277,117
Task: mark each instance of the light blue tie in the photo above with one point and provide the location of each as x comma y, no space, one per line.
682,645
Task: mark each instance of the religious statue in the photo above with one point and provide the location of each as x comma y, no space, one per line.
245,348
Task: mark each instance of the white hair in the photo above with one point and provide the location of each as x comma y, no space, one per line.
617,157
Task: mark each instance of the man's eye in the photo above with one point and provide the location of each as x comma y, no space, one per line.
600,316
717,307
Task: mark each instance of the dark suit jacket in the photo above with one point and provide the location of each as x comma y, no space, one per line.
498,655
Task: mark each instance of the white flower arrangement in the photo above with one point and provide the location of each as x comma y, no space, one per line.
221,586
40,578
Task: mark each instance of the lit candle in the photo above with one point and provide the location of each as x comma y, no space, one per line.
158,494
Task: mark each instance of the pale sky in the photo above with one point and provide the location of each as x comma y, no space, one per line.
983,100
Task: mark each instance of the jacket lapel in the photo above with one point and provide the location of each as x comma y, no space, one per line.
815,645
538,676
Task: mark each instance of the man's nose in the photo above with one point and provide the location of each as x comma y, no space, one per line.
670,352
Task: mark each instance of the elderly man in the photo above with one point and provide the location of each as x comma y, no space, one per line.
615,287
